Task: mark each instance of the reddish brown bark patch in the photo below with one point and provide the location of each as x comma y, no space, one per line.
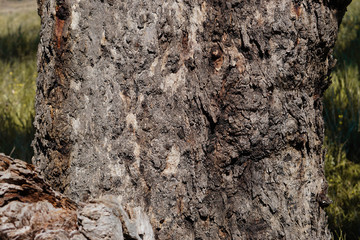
23,184
62,17
296,9
59,27
217,58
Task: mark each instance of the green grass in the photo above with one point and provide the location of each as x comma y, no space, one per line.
342,120
344,187
19,36
348,43
342,162
342,111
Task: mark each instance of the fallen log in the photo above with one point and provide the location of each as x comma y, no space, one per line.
31,209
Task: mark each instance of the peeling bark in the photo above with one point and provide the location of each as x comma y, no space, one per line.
205,115
30,209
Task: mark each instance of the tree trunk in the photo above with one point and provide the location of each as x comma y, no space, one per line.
205,117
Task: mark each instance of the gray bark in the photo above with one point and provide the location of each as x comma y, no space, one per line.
205,116
30,209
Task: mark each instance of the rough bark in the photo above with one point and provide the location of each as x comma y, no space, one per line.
30,209
205,115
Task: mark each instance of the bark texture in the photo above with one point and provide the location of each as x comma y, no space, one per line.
206,115
30,209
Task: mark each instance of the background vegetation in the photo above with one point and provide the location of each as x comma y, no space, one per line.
342,118
19,36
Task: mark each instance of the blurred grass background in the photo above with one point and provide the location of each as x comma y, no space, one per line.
342,133
19,36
